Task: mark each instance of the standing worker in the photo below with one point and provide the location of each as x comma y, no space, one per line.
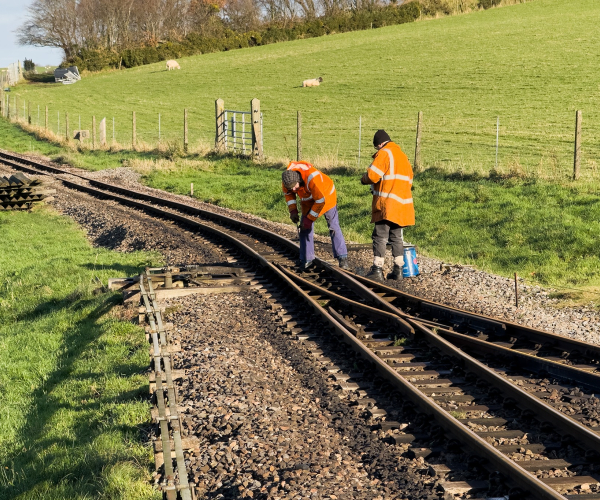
391,178
317,197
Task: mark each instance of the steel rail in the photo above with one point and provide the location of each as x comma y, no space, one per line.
434,310
512,470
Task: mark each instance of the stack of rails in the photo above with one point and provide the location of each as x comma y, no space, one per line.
18,192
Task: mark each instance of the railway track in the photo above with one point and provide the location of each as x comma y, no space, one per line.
449,363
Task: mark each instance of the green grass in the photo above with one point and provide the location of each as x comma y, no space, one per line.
544,231
531,64
72,383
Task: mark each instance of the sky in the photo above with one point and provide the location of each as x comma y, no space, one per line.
12,14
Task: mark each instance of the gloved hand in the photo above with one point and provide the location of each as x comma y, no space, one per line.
364,180
294,216
306,223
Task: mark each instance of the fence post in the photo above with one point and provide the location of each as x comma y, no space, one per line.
257,150
220,124
299,136
133,130
67,125
29,112
46,119
577,154
2,102
93,132
103,132
16,108
418,142
8,107
185,130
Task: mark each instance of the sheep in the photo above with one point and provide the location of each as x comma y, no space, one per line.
315,82
172,64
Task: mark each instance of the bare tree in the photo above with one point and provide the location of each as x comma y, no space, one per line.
51,23
242,15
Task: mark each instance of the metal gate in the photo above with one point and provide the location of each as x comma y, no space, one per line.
238,131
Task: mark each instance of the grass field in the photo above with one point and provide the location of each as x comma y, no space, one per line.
532,65
72,382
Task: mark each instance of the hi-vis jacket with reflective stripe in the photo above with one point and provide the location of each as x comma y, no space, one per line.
317,195
392,178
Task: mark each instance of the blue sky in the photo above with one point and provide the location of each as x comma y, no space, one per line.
12,14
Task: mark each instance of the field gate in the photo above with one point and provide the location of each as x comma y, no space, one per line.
240,132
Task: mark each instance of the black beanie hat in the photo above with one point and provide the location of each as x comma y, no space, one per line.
380,137
289,178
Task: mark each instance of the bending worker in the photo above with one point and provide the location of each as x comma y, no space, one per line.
391,177
317,197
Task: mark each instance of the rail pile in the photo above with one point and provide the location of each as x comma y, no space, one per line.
531,417
18,192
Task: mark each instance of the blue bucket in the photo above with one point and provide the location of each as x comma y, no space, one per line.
411,267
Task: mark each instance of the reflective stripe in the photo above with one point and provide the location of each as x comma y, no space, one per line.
320,200
306,199
398,177
313,213
291,202
332,189
394,197
301,166
389,152
310,177
376,170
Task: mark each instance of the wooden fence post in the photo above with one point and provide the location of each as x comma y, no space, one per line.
133,137
16,113
257,149
93,132
103,132
29,112
418,142
46,119
577,154
8,107
299,137
67,125
185,130
220,124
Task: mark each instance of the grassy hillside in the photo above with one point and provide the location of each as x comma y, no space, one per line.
532,65
526,63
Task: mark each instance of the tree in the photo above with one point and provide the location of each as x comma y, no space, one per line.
28,65
51,23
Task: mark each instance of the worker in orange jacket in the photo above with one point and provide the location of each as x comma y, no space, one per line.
317,197
391,178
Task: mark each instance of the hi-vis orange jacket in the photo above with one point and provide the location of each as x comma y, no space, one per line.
392,178
317,195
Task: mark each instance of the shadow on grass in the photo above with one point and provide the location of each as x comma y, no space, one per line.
75,459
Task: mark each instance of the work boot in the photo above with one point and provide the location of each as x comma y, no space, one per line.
305,266
343,262
396,273
375,273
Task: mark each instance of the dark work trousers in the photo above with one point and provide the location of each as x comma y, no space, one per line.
307,242
383,231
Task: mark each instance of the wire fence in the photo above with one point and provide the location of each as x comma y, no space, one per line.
504,145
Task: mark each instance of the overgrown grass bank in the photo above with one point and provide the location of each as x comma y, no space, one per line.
506,221
72,384
545,231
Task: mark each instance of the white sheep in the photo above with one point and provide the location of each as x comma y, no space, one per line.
315,82
172,64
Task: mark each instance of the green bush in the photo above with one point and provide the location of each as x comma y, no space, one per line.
194,43
486,4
